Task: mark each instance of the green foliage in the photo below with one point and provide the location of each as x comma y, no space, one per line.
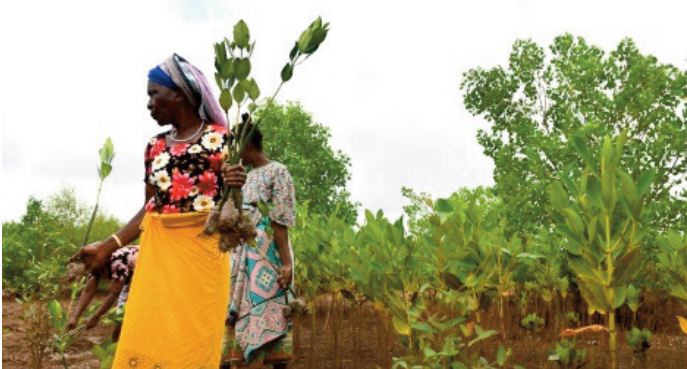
233,67
106,154
672,259
105,352
632,298
639,340
567,355
63,338
603,228
320,173
447,268
576,92
38,333
532,322
572,317
36,249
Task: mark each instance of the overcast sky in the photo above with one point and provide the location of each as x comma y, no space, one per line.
386,81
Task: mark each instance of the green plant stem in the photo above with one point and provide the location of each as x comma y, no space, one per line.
95,211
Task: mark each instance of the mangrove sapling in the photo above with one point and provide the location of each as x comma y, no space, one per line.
633,301
532,323
75,268
603,227
567,356
233,67
63,337
640,342
672,259
38,334
105,352
106,154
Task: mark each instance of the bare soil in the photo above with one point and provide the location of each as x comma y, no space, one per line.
346,337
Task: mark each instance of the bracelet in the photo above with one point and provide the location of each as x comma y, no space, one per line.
119,242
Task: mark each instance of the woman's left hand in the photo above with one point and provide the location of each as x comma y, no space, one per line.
285,274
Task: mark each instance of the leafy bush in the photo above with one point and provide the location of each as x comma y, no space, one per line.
36,249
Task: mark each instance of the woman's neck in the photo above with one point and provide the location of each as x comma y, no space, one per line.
187,124
260,160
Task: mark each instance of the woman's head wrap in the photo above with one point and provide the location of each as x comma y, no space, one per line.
177,73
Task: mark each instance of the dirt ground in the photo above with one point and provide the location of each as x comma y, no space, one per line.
358,340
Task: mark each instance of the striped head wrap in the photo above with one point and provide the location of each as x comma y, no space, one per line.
191,81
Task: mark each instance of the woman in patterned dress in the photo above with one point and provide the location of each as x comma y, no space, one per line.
118,271
262,273
178,295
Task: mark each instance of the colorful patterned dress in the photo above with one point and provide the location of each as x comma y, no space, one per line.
257,302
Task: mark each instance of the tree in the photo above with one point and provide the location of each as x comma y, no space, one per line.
541,100
319,172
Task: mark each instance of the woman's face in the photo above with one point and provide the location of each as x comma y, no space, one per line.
162,103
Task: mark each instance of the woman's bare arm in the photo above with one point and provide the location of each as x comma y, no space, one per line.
96,254
84,300
112,296
281,237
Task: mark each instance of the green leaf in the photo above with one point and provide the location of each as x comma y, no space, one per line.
311,38
104,170
582,149
225,100
220,53
559,199
56,314
423,327
294,52
242,68
239,92
287,72
227,69
253,89
501,356
400,326
241,35
527,255
99,352
429,353
620,294
594,295
627,266
106,152
573,220
483,335
443,206
644,182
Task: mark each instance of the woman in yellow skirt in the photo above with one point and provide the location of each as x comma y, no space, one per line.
178,299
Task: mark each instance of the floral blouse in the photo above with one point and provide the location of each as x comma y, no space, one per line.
187,176
122,264
273,185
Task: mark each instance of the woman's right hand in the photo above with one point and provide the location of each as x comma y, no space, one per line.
93,255
233,175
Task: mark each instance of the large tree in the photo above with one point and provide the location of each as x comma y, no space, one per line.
541,99
320,173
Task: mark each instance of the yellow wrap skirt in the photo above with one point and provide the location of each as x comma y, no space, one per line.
174,318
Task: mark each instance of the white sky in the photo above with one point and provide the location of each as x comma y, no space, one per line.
386,81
